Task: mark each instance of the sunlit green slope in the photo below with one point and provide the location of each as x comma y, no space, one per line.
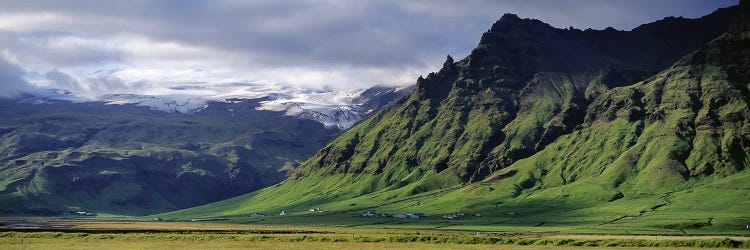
558,126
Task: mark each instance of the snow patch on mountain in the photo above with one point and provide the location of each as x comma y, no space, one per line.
334,109
179,104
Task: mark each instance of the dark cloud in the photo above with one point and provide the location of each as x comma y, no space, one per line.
351,36
12,83
58,49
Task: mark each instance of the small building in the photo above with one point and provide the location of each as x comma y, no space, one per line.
383,215
510,213
83,213
412,216
157,219
453,216
370,213
283,213
449,216
317,210
409,216
258,215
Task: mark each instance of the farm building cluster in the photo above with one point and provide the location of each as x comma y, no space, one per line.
459,216
259,214
81,213
372,213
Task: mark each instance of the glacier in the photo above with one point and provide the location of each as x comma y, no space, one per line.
340,109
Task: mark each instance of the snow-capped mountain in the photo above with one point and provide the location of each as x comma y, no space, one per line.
339,109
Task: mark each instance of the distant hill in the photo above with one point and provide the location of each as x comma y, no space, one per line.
564,126
150,154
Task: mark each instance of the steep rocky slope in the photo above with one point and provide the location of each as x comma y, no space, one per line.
564,125
524,85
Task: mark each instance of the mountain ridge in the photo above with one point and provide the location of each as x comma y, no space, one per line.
502,65
334,109
565,145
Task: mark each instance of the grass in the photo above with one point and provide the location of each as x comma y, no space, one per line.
60,244
584,207
122,234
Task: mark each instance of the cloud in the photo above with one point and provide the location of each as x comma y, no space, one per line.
97,83
322,43
12,83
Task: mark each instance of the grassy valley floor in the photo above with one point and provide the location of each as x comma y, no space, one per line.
60,244
360,233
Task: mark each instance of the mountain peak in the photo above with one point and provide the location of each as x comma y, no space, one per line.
448,62
512,20
509,17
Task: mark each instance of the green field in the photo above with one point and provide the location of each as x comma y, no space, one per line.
133,234
59,244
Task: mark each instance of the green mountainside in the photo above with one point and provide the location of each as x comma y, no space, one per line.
116,159
524,85
560,125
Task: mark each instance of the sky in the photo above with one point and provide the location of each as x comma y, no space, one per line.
145,46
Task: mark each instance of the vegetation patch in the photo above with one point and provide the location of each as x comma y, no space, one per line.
432,239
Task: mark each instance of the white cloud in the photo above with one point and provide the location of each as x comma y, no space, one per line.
148,46
30,21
